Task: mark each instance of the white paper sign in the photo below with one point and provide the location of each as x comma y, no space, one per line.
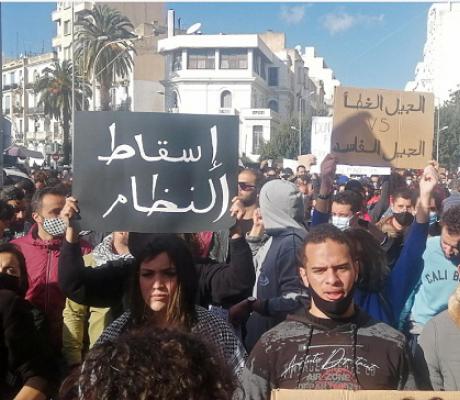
321,131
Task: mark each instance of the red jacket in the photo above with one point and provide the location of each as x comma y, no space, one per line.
42,269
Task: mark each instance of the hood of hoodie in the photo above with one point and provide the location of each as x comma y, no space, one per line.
103,252
281,206
302,315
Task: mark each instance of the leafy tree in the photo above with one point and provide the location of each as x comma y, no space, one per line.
285,141
104,31
449,137
55,91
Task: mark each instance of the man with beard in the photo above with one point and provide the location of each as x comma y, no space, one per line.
41,248
440,275
395,226
15,198
245,204
330,343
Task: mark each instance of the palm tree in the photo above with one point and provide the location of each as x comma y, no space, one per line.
55,90
103,30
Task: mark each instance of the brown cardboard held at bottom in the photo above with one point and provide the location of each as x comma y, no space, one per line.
284,394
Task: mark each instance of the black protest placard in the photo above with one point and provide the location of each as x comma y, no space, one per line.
155,172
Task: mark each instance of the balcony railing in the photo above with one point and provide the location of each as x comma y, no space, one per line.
36,110
225,110
11,86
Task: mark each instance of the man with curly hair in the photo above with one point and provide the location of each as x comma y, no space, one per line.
440,276
151,364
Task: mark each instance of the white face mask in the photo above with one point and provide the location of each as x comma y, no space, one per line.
54,226
433,218
342,223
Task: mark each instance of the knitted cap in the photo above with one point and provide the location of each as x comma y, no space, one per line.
451,201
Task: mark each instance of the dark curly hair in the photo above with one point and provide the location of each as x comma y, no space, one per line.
372,259
11,193
151,365
451,220
349,197
6,211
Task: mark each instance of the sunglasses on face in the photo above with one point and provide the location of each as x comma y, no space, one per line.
245,187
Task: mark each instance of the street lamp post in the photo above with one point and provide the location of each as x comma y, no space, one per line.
93,73
443,129
300,125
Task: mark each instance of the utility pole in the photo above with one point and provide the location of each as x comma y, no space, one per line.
2,130
300,123
73,87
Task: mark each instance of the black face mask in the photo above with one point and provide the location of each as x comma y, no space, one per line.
333,309
10,282
404,218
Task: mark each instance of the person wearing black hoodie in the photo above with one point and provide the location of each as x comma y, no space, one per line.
27,368
330,344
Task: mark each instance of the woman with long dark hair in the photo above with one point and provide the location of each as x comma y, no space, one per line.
163,291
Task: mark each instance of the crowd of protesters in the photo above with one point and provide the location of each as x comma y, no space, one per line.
324,282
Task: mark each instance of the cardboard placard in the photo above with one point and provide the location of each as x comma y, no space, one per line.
383,128
321,131
284,394
155,172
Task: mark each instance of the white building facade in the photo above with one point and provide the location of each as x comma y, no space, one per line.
322,76
29,125
250,75
439,72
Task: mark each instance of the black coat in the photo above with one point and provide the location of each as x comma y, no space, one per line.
105,286
22,356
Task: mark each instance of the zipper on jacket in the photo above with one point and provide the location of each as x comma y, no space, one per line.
48,268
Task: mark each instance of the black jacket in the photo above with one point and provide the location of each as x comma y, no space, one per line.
219,284
305,352
22,357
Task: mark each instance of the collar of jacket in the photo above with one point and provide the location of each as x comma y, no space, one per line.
33,239
303,315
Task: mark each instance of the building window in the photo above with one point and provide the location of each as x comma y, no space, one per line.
259,64
174,100
273,76
273,105
226,99
257,138
67,27
263,66
233,59
7,102
177,61
67,53
201,59
256,62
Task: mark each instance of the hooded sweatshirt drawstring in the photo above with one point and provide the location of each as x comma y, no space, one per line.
310,335
354,338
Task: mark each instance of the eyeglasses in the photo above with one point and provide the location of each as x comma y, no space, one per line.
245,187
